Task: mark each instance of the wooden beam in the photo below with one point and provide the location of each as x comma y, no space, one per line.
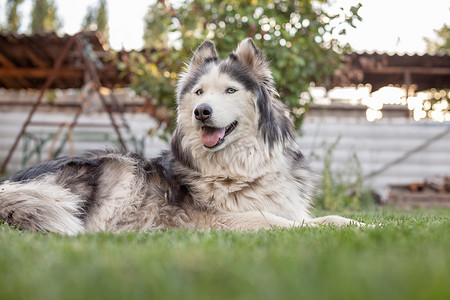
411,70
8,64
35,59
9,82
93,74
39,72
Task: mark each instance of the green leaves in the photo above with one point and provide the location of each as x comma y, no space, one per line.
44,17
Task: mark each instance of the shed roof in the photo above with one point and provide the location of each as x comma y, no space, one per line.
382,69
27,60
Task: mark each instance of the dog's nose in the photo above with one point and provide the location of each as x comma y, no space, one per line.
202,112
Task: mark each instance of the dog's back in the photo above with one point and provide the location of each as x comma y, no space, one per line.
97,191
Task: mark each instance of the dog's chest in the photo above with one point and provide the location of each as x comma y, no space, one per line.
229,186
273,193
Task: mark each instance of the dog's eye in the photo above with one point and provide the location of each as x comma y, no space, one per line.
199,92
230,90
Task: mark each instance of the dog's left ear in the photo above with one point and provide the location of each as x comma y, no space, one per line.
274,122
253,58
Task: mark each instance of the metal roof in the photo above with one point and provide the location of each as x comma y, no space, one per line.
26,61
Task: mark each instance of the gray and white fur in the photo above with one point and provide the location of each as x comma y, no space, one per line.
233,164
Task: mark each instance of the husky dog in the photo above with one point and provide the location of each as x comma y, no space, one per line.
233,164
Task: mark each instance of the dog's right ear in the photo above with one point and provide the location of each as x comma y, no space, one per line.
205,53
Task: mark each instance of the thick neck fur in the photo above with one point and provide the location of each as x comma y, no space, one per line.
246,160
264,176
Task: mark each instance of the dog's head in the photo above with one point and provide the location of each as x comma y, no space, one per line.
224,102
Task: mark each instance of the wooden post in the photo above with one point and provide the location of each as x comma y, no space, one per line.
96,80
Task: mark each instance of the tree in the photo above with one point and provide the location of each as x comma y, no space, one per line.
97,19
12,16
102,18
44,17
89,22
442,44
157,26
297,36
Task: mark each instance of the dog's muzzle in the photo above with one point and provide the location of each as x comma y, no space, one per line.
211,136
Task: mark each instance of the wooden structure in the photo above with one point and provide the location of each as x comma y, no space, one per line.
430,193
47,61
26,61
420,72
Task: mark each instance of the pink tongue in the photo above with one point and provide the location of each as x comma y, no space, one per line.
211,136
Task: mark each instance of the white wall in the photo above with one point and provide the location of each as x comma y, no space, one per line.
376,145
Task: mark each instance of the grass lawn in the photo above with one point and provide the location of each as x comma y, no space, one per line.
407,258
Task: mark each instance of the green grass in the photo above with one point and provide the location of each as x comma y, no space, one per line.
407,258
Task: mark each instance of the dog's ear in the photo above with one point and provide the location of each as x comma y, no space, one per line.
253,58
205,53
274,121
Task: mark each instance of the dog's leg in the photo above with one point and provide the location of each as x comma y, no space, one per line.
253,220
264,220
335,220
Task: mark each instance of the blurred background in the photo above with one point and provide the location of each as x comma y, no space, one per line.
368,83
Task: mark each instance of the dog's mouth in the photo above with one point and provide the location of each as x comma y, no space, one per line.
213,137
